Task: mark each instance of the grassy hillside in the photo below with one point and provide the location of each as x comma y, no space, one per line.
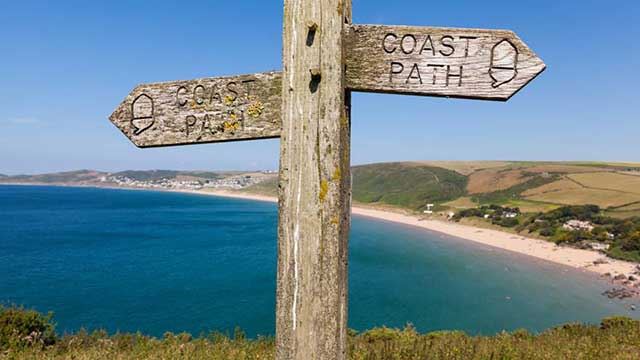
29,335
408,185
531,186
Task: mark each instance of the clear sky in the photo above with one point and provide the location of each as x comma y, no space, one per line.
65,65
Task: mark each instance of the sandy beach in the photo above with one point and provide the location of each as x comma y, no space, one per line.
586,260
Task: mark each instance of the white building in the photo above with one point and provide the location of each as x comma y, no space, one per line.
575,225
429,210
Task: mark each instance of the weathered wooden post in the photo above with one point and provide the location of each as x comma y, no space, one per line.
308,106
315,183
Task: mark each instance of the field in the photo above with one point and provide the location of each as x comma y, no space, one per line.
613,181
582,196
492,180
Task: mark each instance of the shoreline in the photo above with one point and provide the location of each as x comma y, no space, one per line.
583,260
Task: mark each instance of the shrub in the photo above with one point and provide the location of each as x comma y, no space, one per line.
21,328
616,322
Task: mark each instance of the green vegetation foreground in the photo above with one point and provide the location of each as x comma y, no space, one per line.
26,334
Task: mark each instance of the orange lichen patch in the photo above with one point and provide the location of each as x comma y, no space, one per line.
491,180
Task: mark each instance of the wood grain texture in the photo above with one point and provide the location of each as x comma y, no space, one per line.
202,111
462,63
315,184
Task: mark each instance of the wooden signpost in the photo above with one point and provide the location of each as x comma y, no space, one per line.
308,107
204,110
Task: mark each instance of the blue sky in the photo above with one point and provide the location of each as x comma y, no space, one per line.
65,65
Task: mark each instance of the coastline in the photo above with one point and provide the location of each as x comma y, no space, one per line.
585,260
589,261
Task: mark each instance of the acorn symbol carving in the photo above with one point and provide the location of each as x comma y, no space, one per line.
504,63
141,114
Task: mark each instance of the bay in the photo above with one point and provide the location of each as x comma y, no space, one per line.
126,260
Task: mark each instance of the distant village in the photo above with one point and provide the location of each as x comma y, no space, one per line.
232,182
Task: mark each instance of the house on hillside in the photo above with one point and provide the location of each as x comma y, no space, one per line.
510,215
577,225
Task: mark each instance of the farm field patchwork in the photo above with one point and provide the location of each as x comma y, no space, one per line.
581,196
612,181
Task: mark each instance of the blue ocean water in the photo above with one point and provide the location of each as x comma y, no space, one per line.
153,262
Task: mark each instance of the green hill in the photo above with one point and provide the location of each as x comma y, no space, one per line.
408,185
531,186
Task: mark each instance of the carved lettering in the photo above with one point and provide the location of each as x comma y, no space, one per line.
452,75
428,45
447,45
396,68
435,71
403,44
179,99
414,74
196,94
467,42
385,42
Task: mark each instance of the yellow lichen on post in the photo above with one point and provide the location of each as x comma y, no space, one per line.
324,188
337,175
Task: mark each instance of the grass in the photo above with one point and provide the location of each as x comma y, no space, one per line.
610,181
492,180
466,167
408,185
461,203
614,338
528,206
602,198
512,193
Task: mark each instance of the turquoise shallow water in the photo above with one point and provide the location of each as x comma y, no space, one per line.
156,261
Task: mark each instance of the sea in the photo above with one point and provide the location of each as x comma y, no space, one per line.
156,262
